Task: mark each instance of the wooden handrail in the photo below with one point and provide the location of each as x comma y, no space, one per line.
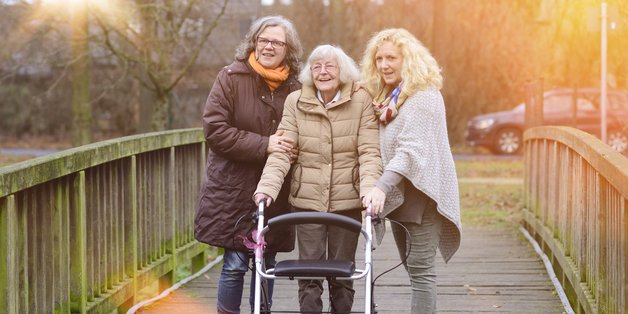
83,230
576,191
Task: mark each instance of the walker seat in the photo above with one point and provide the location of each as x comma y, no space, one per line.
314,268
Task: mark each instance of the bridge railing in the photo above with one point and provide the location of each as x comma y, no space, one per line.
83,230
577,208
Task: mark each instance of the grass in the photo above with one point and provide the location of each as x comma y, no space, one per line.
490,205
489,168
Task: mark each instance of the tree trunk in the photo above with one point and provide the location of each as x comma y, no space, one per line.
160,118
148,99
81,107
147,102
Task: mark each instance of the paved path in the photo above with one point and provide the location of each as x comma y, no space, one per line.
494,271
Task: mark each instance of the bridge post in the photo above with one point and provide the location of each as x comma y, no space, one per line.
9,256
168,279
199,261
78,233
130,241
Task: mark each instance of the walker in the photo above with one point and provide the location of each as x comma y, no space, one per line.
313,269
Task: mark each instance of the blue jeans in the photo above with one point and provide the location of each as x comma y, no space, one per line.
231,283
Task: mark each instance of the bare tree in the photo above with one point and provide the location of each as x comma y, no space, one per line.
488,49
160,43
34,60
153,42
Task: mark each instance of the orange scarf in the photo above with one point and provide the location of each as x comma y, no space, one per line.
273,77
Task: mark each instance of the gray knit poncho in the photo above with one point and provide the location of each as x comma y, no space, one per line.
415,145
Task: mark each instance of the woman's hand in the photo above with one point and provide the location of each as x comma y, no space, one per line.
259,197
279,143
376,198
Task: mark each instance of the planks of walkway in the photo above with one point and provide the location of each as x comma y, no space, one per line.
494,271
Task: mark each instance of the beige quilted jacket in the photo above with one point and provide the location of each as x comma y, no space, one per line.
339,159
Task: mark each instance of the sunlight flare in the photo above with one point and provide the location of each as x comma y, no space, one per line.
100,5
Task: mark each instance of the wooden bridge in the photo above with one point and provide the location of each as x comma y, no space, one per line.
88,229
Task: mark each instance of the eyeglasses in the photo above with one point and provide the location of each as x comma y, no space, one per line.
317,68
262,42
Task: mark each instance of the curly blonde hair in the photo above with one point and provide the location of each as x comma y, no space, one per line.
419,70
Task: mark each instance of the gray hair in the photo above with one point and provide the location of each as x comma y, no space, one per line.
293,44
347,68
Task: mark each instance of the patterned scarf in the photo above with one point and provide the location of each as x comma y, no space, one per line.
273,77
387,107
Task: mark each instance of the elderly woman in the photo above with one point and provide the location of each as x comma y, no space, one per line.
333,125
240,120
419,174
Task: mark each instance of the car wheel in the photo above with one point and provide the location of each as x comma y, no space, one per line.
508,141
618,140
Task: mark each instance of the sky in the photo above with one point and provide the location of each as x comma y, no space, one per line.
271,2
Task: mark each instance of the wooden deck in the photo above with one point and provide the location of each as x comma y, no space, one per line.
494,271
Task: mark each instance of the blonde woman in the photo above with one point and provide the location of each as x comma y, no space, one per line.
419,175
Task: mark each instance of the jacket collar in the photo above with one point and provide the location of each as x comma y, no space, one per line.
308,100
239,67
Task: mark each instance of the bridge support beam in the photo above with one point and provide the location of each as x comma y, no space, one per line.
9,257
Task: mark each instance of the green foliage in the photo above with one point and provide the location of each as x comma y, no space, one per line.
182,271
27,109
17,115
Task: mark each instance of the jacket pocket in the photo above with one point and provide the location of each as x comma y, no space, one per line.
295,185
356,178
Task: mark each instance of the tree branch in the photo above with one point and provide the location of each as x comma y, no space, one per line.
198,49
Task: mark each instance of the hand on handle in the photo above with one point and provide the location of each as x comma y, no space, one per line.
376,198
259,197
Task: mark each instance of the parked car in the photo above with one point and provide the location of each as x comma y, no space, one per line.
502,132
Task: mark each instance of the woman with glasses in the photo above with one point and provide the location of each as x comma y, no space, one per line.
240,120
419,174
333,125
